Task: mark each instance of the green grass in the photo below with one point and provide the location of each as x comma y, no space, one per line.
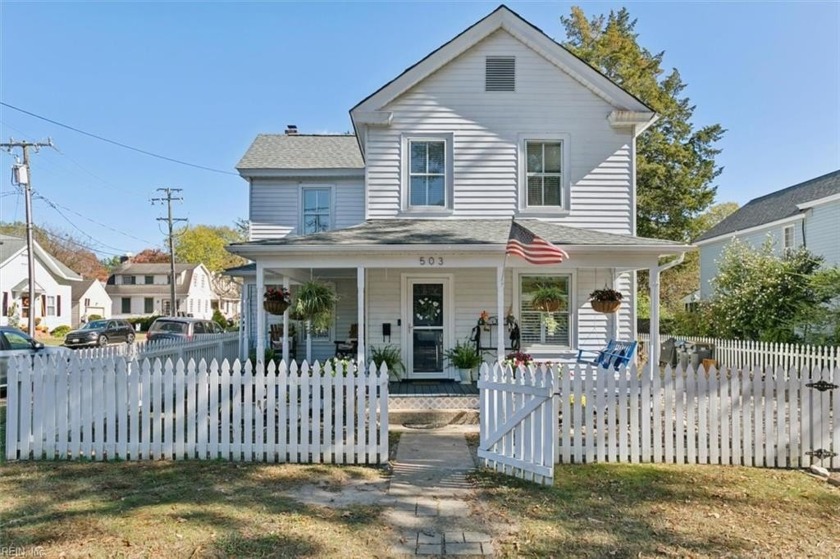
612,510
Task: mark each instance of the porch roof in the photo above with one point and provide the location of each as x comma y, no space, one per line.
467,233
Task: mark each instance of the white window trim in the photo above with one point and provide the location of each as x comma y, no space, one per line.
522,175
304,187
405,154
573,314
792,230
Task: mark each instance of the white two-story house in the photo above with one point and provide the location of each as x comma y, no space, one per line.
805,215
140,289
413,211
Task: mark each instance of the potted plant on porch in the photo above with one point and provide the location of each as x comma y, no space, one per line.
276,300
465,358
549,298
389,355
605,300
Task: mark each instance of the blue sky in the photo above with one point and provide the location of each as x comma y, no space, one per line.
197,81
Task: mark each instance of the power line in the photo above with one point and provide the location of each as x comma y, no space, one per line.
130,236
74,226
120,144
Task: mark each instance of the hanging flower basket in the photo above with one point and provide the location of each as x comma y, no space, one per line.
606,307
275,307
552,305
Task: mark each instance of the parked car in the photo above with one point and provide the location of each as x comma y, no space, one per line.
178,328
101,333
13,343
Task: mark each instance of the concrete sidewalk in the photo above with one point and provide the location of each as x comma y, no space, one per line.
428,498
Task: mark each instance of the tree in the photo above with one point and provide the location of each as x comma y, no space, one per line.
205,244
759,295
151,256
65,248
675,163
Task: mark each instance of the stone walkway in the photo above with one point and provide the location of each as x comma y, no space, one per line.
428,497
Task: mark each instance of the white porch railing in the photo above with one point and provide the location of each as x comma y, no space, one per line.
742,354
114,407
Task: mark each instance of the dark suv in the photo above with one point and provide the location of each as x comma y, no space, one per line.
101,333
177,328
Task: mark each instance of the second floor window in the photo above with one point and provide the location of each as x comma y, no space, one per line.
316,210
427,173
149,280
544,173
788,239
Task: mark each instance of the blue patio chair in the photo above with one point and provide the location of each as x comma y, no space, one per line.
615,355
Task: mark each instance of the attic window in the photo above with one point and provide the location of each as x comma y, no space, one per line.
500,73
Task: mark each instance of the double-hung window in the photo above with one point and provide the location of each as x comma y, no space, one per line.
427,173
543,328
788,238
316,210
544,174
50,306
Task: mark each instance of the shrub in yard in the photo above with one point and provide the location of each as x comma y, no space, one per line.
220,319
60,331
95,317
142,323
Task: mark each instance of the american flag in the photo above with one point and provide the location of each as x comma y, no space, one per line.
532,248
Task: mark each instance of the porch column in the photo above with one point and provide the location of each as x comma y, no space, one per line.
260,333
360,314
500,312
653,350
286,325
243,322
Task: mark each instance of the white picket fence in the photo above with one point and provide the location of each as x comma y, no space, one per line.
113,407
207,347
772,418
741,354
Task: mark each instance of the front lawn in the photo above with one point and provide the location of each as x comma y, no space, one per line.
614,510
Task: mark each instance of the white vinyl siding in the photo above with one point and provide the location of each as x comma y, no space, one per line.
822,235
486,129
276,208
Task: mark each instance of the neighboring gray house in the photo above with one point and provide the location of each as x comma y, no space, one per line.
803,215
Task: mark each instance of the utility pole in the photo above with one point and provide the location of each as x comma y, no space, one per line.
23,177
168,198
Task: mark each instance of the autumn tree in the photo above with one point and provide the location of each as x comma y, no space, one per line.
675,162
65,248
206,244
151,256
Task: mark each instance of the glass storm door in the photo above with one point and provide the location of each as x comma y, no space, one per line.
426,328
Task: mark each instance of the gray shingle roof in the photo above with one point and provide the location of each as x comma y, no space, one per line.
10,245
301,151
776,205
456,232
80,288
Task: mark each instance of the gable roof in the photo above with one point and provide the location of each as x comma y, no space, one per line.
302,152
80,288
11,246
529,34
775,206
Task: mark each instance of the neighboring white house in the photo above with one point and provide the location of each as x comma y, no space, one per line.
53,284
413,211
143,290
90,298
805,215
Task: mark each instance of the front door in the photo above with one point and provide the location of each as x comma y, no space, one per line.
427,318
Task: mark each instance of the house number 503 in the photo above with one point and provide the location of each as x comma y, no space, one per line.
431,260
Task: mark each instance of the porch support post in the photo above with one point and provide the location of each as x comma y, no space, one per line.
260,333
500,312
243,322
653,350
286,326
360,315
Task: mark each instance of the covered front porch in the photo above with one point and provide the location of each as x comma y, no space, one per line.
422,286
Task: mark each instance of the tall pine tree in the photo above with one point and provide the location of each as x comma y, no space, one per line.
675,162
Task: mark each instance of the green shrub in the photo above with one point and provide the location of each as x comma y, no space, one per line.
60,331
95,317
220,319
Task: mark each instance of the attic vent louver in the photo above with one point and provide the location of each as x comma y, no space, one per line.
500,73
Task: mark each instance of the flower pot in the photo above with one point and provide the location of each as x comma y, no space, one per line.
466,375
606,306
549,306
275,307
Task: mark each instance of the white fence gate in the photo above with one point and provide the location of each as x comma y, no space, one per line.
752,417
106,408
518,414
